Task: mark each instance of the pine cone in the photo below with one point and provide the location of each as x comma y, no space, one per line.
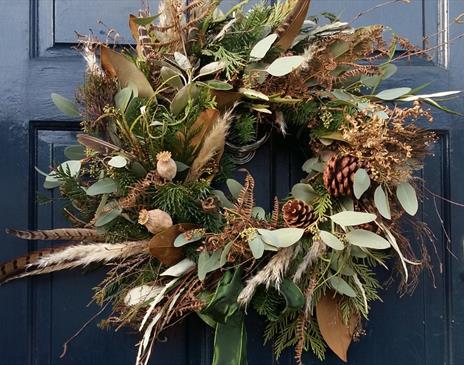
339,175
297,213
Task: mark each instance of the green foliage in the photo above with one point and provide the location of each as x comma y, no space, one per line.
268,303
183,203
244,129
301,114
314,340
322,204
120,230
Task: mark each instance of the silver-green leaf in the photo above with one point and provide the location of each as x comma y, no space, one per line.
381,202
263,46
392,94
350,218
234,187
188,237
283,237
368,239
361,183
303,192
284,65
103,186
331,240
407,197
342,287
256,246
65,105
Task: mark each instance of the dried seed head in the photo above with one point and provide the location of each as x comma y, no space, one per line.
166,166
155,220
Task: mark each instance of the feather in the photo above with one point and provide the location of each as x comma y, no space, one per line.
291,26
68,257
97,144
68,234
213,147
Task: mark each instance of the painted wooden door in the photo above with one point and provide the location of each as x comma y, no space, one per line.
38,315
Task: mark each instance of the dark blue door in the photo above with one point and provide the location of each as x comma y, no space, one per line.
38,315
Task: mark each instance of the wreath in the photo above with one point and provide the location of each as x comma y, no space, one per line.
165,126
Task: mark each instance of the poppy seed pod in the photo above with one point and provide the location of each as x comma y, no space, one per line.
155,220
166,166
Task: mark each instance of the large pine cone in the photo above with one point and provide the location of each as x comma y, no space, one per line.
297,213
339,175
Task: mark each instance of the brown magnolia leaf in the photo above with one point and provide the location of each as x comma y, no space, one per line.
162,244
117,65
225,99
291,26
335,332
203,125
134,29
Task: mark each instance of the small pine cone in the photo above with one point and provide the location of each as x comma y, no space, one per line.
297,213
339,173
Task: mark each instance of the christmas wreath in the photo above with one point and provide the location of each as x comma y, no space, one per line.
164,127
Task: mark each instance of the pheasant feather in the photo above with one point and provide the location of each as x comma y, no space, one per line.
67,234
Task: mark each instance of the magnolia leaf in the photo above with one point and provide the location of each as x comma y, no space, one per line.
211,68
407,197
284,65
207,263
294,298
305,192
225,252
141,294
171,77
180,101
331,240
189,237
313,164
162,244
342,287
108,216
256,246
283,237
182,61
103,186
179,269
122,98
263,46
381,202
368,239
118,161
234,187
392,94
258,213
126,71
335,332
224,202
253,94
350,218
361,183
218,85
75,152
65,105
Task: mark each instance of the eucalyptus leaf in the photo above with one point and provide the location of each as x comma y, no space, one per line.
305,192
147,20
65,105
71,167
284,65
253,94
313,164
118,161
361,183
218,85
107,217
234,187
208,263
258,213
388,70
181,166
381,202
331,240
224,202
339,48
407,197
211,68
263,46
256,246
171,77
181,99
342,287
224,253
368,239
103,186
182,61
392,94
122,98
188,237
283,237
350,218
75,152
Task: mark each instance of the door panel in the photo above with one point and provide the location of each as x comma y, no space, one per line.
38,315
